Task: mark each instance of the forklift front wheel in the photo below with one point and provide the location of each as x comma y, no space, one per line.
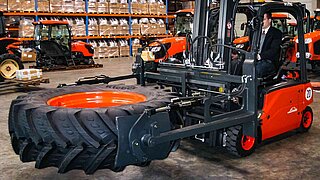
239,144
307,119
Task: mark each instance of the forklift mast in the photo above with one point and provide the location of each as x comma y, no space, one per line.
228,9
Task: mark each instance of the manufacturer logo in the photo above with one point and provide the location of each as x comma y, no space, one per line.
292,110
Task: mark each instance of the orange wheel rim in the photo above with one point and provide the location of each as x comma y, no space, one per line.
247,142
96,99
307,119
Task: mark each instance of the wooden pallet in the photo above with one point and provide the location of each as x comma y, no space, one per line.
7,84
65,68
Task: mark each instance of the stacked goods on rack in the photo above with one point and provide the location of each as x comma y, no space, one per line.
56,5
135,46
3,5
68,6
14,5
188,5
104,27
43,5
92,6
135,27
124,48
153,7
144,7
93,27
123,27
145,26
123,7
135,7
103,6
114,26
79,27
26,27
152,26
79,6
96,49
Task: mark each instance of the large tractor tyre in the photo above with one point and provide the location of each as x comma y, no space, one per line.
9,64
306,121
74,127
238,144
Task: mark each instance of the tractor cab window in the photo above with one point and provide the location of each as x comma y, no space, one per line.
60,33
184,24
41,32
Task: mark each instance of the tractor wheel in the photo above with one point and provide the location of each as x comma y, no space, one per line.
307,119
74,127
9,64
239,144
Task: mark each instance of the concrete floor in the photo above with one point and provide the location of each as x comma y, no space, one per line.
292,156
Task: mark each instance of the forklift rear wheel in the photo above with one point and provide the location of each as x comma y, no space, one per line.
9,64
74,127
307,119
239,144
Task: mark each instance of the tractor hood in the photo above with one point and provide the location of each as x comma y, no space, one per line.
309,37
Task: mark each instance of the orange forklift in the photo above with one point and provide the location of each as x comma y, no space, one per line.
90,127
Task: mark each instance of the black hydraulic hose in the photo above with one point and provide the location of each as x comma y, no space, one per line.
196,39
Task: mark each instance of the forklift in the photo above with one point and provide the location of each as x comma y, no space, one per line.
91,125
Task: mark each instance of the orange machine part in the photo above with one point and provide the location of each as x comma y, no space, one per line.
241,40
282,111
96,99
80,46
178,45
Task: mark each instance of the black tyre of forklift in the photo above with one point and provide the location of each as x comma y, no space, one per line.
9,63
48,127
237,144
306,120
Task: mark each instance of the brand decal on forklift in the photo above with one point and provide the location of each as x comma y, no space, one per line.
308,93
292,110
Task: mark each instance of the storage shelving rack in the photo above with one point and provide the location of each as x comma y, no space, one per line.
87,15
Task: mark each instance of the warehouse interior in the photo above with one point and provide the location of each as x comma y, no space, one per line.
102,39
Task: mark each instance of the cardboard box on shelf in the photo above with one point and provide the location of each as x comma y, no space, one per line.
153,8
145,29
3,5
103,7
161,9
104,29
144,8
92,7
188,5
135,8
28,55
56,5
124,51
79,6
114,8
27,5
123,8
162,29
43,5
123,29
14,5
68,6
113,52
26,27
135,29
114,30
